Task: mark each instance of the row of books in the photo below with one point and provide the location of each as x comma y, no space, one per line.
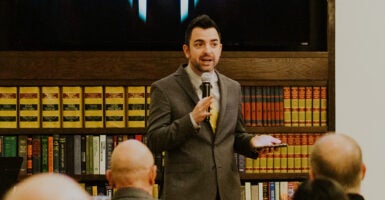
105,191
290,106
73,106
128,106
273,190
291,159
69,154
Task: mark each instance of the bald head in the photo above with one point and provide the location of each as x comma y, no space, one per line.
132,164
47,186
338,156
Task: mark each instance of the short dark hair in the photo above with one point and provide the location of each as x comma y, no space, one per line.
320,189
202,21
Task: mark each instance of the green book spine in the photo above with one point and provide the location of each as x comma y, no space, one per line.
22,151
9,146
109,149
1,146
77,154
44,153
89,155
62,154
56,153
69,157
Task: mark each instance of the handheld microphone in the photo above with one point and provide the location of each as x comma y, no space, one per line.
206,85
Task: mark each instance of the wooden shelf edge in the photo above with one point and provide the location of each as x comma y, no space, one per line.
273,176
92,131
322,129
115,131
243,177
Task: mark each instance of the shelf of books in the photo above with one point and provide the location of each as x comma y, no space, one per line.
66,111
73,129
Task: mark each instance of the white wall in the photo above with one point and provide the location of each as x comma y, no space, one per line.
360,84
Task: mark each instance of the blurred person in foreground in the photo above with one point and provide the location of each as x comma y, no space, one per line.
339,157
47,186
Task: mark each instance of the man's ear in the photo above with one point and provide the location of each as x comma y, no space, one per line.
109,178
152,176
363,171
186,51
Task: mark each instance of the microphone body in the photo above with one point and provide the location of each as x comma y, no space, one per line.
206,86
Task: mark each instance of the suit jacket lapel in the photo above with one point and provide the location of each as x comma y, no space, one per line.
183,80
223,101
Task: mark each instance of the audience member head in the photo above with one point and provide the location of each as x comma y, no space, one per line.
339,157
47,186
320,189
132,165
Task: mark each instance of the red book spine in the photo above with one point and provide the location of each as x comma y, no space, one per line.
290,152
277,109
253,113
283,153
265,107
29,155
316,106
323,106
301,106
259,106
287,106
304,153
243,102
294,106
50,153
308,106
247,117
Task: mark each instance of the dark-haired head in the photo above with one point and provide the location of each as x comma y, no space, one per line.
320,189
202,21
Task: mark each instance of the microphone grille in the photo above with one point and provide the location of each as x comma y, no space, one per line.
206,77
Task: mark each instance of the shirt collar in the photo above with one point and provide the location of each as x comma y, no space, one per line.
196,79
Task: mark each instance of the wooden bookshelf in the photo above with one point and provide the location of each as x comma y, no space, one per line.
124,68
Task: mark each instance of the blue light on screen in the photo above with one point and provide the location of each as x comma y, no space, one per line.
184,8
143,10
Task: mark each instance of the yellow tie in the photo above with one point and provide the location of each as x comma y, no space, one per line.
213,118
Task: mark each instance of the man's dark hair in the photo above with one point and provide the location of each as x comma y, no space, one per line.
202,21
320,189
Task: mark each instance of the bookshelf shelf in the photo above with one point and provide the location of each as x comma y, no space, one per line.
244,177
273,176
287,129
113,131
64,131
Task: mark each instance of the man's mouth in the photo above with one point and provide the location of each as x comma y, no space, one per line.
207,59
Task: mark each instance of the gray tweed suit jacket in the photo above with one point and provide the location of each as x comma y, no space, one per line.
198,163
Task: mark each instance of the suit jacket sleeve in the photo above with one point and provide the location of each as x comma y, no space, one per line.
168,129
